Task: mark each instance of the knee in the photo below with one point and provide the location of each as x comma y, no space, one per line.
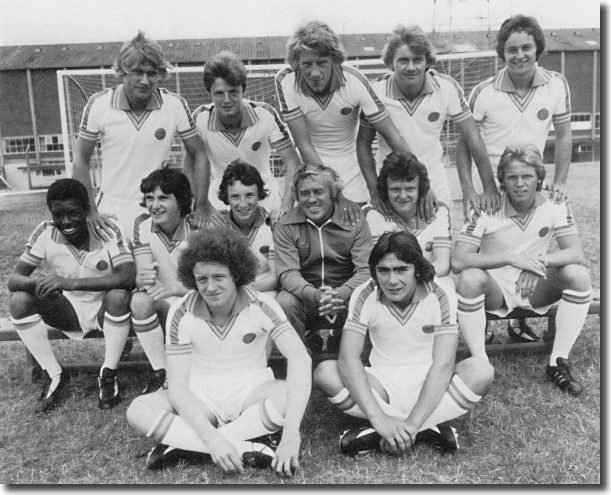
472,282
477,373
116,301
141,305
576,277
21,304
326,377
287,300
139,414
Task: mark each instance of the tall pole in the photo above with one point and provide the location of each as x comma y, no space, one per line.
34,126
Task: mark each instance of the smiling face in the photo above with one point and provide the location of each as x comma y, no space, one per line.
316,70
397,279
243,202
164,210
140,82
409,67
227,99
314,196
520,52
520,183
403,196
70,219
216,285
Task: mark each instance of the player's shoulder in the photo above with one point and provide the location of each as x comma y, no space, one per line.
102,95
484,86
141,222
44,228
262,108
445,81
285,74
170,95
203,111
364,291
353,75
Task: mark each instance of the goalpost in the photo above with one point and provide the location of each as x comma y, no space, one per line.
75,87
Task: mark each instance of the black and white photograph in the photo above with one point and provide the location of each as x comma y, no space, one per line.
301,243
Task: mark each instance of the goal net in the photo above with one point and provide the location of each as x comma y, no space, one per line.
75,87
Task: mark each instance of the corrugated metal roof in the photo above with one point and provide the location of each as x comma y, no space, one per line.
263,49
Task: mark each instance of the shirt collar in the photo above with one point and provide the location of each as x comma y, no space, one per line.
296,216
508,209
249,118
504,83
180,234
120,101
393,91
338,79
242,300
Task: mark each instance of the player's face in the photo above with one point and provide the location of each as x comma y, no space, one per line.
216,285
520,181
316,70
314,196
403,195
409,67
520,54
70,219
243,202
227,99
140,82
397,279
163,208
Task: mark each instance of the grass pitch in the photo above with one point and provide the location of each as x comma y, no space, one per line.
523,432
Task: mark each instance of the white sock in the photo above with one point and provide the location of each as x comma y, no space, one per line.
570,318
116,331
32,331
172,430
151,338
456,401
472,321
257,420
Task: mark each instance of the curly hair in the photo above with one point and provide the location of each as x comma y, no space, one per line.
170,181
516,24
310,170
63,189
141,50
528,154
402,165
244,172
314,36
412,36
219,245
226,65
405,247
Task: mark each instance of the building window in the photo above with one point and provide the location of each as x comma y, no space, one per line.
23,144
580,117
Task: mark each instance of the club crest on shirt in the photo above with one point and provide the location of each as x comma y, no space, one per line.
428,247
101,265
160,133
543,232
248,338
428,328
434,116
256,146
542,114
345,110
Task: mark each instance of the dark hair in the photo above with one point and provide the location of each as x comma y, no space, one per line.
405,247
516,24
412,36
220,245
402,165
314,36
138,50
63,189
170,181
528,154
246,174
226,65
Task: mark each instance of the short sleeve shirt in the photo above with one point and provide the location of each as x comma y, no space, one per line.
401,337
133,145
504,117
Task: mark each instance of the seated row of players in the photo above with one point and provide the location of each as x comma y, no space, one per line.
502,260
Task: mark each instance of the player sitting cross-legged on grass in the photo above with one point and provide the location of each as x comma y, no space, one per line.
413,384
220,391
87,287
159,237
504,263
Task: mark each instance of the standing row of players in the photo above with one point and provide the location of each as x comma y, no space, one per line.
319,250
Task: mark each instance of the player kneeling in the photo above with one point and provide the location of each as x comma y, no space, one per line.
87,288
413,384
220,390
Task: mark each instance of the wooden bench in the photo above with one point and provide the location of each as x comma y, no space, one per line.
7,333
